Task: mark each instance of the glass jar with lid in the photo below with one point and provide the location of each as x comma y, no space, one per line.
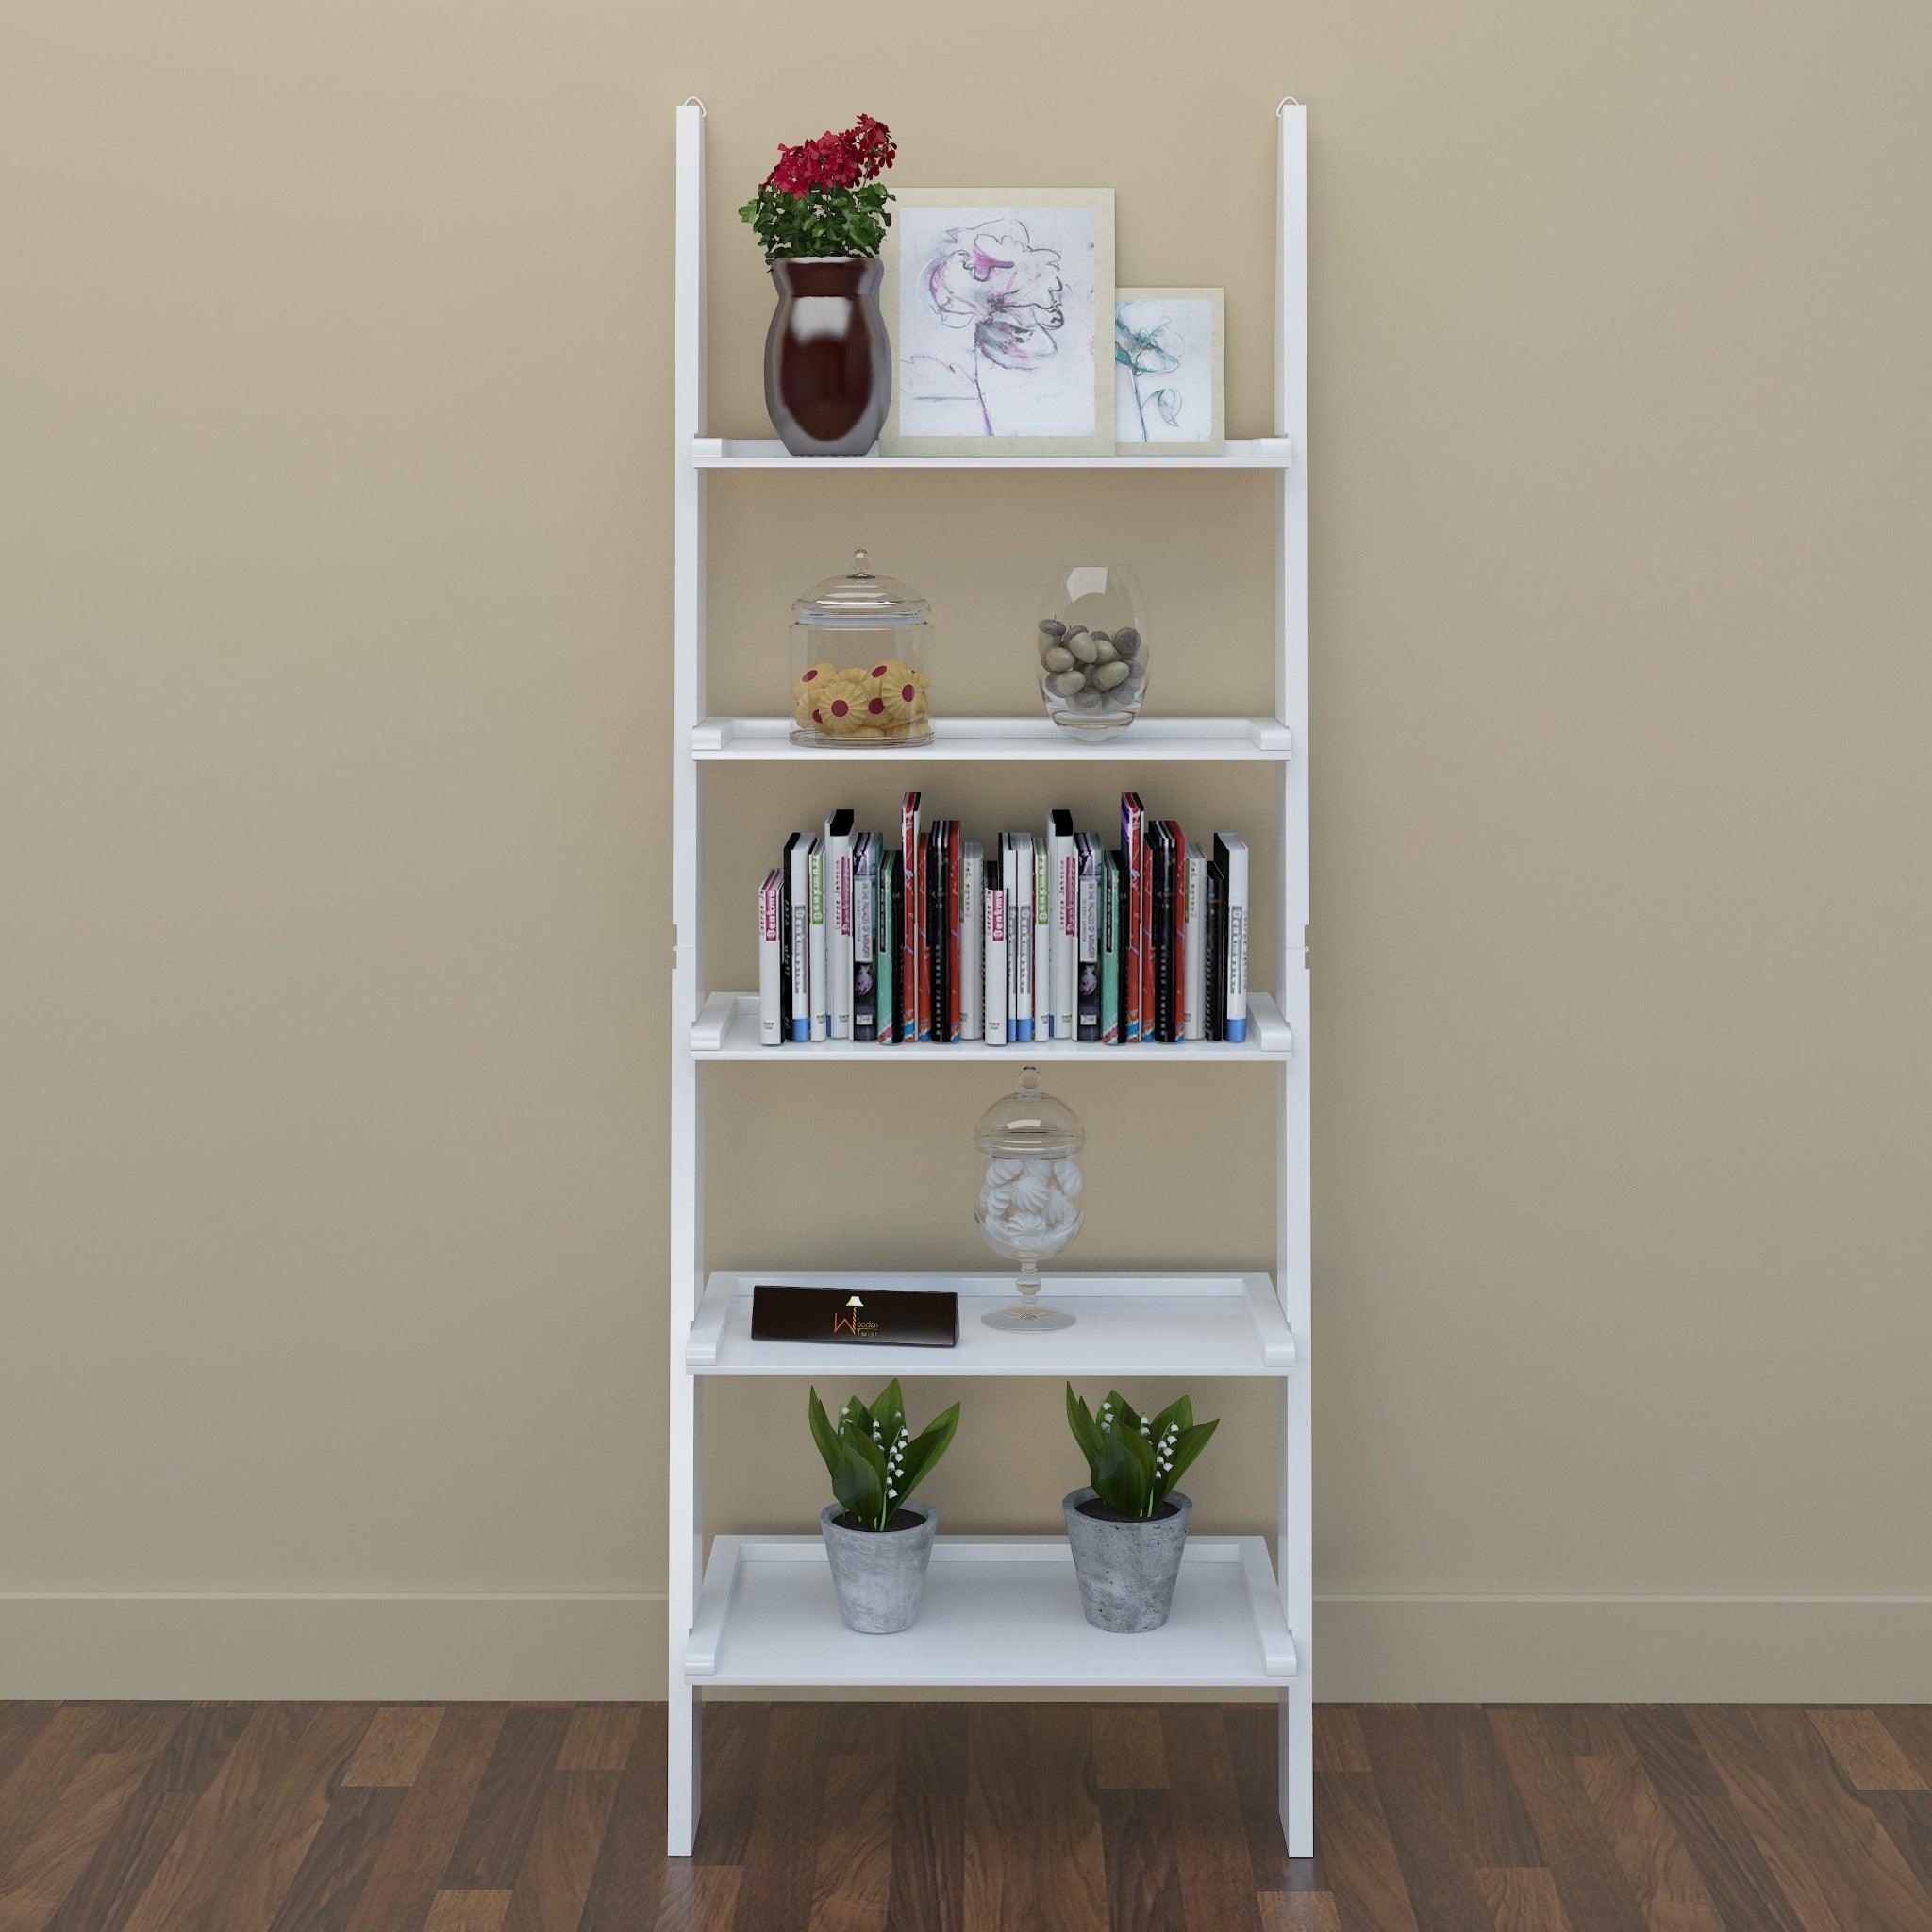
1029,1202
862,672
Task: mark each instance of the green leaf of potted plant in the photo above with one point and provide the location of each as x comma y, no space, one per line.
877,1540
1128,1527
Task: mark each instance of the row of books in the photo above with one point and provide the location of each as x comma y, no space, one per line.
1050,936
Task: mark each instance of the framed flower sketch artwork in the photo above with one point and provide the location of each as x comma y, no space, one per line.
1168,374
998,301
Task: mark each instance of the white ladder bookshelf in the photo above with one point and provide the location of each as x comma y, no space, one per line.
999,1611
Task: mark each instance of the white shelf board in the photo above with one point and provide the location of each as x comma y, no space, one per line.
764,453
998,1611
1124,1325
727,1029
1012,740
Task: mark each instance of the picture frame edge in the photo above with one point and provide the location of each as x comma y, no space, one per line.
1216,299
892,441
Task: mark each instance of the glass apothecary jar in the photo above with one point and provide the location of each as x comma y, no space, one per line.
1029,1205
861,670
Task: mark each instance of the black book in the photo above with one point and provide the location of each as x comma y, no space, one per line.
785,940
865,937
1087,883
885,977
1210,950
891,1317
1161,857
936,925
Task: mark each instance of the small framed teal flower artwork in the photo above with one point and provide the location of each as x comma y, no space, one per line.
1168,387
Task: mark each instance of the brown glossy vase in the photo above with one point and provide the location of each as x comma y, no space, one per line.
828,373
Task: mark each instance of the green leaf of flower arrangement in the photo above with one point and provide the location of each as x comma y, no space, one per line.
1188,1445
889,1411
926,1449
1081,1421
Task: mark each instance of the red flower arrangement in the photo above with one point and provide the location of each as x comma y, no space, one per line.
825,197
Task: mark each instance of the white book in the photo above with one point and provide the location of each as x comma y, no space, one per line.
1231,855
1194,1003
799,851
995,943
1064,912
838,924
972,939
769,901
1025,932
815,870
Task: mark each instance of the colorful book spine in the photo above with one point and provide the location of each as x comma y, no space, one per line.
914,998
1021,932
956,933
786,953
838,924
932,1006
821,983
1111,948
771,907
865,928
887,998
1231,852
1161,860
971,940
1010,859
1087,936
1134,1015
1194,1008
1177,957
995,944
1064,912
1214,928
798,850
1042,938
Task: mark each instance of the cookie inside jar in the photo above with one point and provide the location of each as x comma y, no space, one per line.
861,671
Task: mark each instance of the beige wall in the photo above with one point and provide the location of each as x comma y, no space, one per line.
334,486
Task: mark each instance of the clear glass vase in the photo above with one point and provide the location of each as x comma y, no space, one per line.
1031,1200
1092,646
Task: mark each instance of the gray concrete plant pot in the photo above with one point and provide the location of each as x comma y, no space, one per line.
1127,1566
879,1574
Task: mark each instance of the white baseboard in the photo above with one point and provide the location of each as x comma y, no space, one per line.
1368,1648
380,1647
1624,1650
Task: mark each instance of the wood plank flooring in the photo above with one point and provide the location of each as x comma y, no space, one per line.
963,1818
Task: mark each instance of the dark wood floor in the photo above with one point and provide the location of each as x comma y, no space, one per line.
542,1818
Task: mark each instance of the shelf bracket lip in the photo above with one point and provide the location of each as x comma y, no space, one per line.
715,1605
1278,1658
708,1030
1271,736
1272,1030
707,1332
1273,1331
710,734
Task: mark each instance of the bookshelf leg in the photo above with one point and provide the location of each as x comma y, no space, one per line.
1296,1724
684,1783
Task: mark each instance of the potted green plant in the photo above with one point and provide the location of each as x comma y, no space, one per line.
877,1540
1128,1527
820,216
